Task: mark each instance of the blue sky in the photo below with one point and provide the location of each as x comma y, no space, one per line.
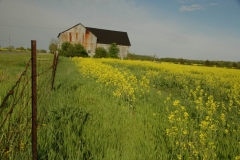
191,29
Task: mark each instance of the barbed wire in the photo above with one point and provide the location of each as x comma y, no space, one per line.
15,111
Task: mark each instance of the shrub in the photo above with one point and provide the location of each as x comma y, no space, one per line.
113,51
20,48
53,45
79,51
70,50
42,51
52,48
100,52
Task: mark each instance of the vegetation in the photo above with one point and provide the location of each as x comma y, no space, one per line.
134,110
226,64
53,46
113,51
72,50
20,49
41,51
189,123
100,52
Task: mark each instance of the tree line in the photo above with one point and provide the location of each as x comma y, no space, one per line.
226,64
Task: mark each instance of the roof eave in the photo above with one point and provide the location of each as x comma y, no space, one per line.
69,29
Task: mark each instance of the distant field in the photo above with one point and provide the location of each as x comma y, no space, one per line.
123,109
15,52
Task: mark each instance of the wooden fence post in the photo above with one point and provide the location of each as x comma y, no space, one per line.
55,62
34,99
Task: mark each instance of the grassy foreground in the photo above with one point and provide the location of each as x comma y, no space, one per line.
83,120
144,112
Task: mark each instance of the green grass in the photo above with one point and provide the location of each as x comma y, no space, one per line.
12,66
79,119
86,122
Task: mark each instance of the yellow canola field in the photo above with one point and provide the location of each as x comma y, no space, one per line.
223,83
203,123
126,83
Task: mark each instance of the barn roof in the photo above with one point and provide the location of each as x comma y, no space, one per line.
108,36
70,28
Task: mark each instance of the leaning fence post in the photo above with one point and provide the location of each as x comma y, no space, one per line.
55,62
34,100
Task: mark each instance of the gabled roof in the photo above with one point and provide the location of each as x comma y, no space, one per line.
109,36
70,28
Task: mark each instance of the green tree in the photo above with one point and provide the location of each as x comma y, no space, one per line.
20,48
53,46
113,51
41,51
234,65
11,47
66,49
70,50
207,63
100,52
182,61
79,51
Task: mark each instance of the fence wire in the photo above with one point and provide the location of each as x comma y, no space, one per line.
16,111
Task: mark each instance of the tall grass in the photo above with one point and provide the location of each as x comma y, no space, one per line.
15,96
82,118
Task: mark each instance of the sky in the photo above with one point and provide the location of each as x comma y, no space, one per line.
189,29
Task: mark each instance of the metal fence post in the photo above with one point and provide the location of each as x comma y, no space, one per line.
34,100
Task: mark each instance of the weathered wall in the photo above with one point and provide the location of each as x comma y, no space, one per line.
90,43
123,50
79,35
73,35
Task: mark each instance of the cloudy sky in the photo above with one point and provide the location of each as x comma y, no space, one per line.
191,29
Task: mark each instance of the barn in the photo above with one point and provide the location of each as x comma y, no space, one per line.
91,38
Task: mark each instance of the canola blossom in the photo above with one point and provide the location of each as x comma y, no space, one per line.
200,124
125,83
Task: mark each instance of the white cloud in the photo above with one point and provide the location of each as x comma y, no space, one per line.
211,4
191,8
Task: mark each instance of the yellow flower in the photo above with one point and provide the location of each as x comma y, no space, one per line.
223,118
171,117
186,115
176,102
183,108
226,131
185,132
179,157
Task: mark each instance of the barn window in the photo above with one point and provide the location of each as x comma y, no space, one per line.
89,51
76,36
70,37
